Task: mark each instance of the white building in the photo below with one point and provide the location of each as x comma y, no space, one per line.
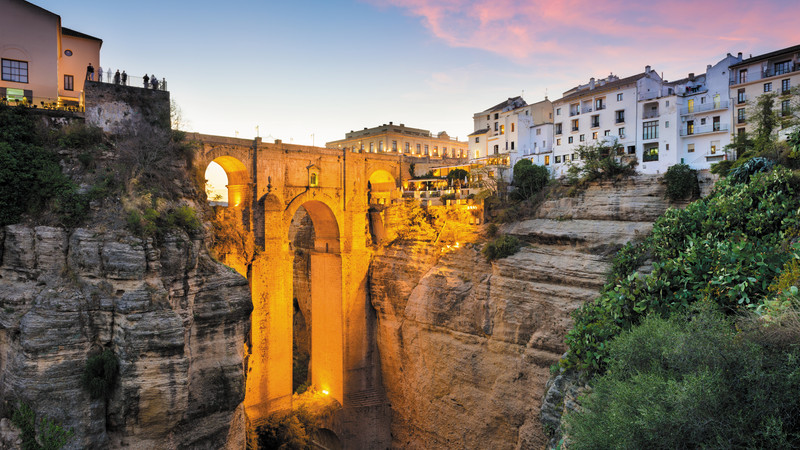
705,121
509,131
605,109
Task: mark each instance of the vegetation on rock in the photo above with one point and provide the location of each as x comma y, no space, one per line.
529,179
51,435
100,374
601,161
501,247
681,182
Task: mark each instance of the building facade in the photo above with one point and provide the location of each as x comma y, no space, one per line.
391,138
775,72
510,131
42,62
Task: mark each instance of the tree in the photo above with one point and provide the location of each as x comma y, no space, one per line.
529,178
457,176
602,160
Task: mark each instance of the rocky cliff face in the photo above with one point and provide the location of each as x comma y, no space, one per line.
176,320
466,345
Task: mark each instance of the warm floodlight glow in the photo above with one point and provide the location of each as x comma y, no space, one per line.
325,391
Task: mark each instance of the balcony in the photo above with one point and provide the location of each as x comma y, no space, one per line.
723,104
620,120
741,120
650,115
586,109
704,129
574,128
600,107
595,124
574,113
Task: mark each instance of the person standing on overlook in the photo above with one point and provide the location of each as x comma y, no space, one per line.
90,72
100,74
124,78
116,77
146,80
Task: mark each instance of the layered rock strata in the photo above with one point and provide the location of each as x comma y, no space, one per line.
466,345
176,320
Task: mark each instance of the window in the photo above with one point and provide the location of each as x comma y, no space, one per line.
558,111
621,132
496,115
426,150
715,123
619,97
558,159
546,160
716,101
16,71
690,148
496,126
361,150
650,130
690,106
558,128
380,146
313,179
594,135
582,138
512,145
419,148
740,96
69,83
702,101
488,117
631,149
477,139
690,127
739,131
667,102
785,108
742,75
740,115
569,140
538,131
666,124
574,156
703,121
444,151
714,147
785,86
607,133
558,141
496,149
408,148
575,125
650,152
782,67
502,129
435,150
620,116
394,146
767,87
595,121
512,127
372,147
599,103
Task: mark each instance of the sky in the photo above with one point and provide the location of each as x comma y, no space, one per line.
309,71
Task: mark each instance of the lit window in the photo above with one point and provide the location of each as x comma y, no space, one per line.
690,148
394,146
546,160
69,83
594,135
502,129
313,179
512,127
16,71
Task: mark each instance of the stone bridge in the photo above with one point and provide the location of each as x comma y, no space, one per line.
269,182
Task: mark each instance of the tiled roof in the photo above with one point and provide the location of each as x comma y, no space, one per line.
483,131
606,87
71,32
793,49
504,104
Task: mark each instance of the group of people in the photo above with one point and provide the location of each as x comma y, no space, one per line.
122,78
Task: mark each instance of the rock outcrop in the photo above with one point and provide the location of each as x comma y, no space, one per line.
466,345
176,320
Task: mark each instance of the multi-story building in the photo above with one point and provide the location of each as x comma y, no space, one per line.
601,110
777,72
512,130
42,62
391,138
705,121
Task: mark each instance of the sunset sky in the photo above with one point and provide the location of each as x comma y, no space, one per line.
322,68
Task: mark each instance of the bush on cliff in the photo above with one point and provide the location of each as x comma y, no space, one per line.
602,161
681,182
529,178
728,249
100,374
501,247
691,382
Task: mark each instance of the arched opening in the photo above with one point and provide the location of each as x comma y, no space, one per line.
227,181
380,187
325,439
317,341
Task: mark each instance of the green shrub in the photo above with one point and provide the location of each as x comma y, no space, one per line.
52,436
100,374
681,182
691,382
752,166
601,161
285,431
152,223
724,249
721,168
78,135
626,261
529,179
501,247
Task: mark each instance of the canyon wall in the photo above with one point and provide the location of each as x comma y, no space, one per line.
466,345
176,320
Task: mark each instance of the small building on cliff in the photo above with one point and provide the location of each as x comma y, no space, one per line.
43,62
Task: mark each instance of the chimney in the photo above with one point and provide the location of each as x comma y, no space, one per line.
708,67
646,69
402,125
390,123
691,76
739,56
591,83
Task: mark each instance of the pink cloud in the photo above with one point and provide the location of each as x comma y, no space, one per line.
618,35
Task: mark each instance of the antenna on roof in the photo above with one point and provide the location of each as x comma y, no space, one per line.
523,93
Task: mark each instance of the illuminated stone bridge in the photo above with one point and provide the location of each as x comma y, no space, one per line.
269,183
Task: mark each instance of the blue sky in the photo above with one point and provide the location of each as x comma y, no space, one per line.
326,67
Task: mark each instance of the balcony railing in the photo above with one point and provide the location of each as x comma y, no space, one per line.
133,80
595,124
741,99
723,104
620,120
741,120
599,107
574,128
574,113
650,115
586,109
704,129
